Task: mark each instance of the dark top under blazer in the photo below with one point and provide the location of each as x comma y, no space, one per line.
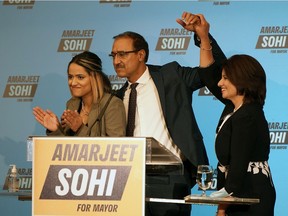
175,85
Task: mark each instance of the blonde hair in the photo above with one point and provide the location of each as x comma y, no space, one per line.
97,86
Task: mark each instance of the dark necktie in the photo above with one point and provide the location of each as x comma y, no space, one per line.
131,110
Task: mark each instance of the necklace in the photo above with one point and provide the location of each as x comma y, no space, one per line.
237,107
83,109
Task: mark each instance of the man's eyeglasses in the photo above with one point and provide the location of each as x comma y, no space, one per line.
121,54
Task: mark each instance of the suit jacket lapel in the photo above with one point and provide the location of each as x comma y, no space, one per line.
120,92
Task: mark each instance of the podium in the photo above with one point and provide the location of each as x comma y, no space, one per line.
159,160
95,175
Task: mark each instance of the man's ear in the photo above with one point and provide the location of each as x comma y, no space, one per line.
142,55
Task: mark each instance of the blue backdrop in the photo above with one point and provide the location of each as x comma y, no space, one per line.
38,39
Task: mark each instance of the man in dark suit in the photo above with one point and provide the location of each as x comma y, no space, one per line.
164,109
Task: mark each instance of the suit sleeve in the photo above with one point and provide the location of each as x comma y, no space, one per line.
211,75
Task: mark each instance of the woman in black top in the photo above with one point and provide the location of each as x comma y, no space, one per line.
242,142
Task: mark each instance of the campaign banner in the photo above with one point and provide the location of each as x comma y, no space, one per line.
86,176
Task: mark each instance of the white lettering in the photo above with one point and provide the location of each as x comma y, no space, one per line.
87,182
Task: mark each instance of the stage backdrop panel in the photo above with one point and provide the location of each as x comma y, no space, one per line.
38,39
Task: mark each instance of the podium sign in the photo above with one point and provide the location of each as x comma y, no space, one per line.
88,176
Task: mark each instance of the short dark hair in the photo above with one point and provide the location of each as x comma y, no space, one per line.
248,76
139,41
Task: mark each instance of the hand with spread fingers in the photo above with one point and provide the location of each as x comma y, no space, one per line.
46,118
72,119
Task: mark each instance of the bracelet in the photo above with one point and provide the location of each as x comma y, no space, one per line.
198,39
209,49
